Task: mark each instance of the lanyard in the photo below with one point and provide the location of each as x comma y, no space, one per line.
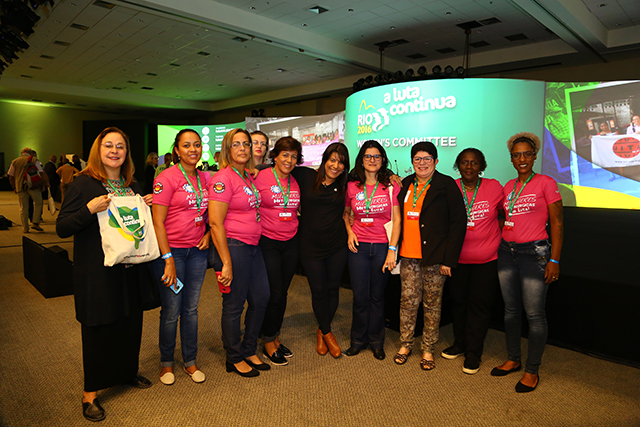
367,200
121,191
285,197
254,190
415,188
466,201
198,196
512,203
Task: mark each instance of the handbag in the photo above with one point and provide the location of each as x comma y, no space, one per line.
388,227
127,232
52,203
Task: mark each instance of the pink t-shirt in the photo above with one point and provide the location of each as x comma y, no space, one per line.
481,244
277,223
370,228
240,223
184,226
530,213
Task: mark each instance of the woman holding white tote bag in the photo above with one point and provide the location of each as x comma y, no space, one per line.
108,299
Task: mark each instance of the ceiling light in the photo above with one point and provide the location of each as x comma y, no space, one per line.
350,10
447,13
392,28
252,8
318,9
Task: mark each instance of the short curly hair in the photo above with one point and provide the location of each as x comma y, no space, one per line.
527,137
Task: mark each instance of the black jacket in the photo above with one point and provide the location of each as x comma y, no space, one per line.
443,220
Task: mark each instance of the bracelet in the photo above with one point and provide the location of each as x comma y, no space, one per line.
167,255
393,248
554,261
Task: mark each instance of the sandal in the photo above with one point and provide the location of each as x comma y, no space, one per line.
427,365
400,358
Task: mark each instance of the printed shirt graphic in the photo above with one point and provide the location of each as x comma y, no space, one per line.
272,205
481,244
240,223
171,189
379,210
530,213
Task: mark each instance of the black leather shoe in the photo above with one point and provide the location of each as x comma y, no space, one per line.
495,372
285,351
452,352
522,388
93,411
378,353
140,382
252,373
276,358
258,366
352,351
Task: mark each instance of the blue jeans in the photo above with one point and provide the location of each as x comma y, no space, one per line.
521,273
368,283
249,284
191,267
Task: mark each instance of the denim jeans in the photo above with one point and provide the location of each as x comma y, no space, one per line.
191,267
249,284
521,272
368,283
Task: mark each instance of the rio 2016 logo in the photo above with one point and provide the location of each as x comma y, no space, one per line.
405,101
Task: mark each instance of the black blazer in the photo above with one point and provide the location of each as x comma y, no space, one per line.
101,293
443,220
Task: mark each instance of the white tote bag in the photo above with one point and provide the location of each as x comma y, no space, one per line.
52,203
128,236
388,227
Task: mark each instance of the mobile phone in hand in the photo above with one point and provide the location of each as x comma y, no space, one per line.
224,289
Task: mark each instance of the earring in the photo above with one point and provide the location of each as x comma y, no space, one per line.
481,174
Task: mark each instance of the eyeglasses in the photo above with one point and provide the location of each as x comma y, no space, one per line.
237,144
375,157
425,159
110,145
526,154
260,143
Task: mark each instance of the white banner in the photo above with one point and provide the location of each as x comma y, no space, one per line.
615,151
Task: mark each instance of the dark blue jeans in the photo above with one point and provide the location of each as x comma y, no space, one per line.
368,283
249,284
191,267
521,272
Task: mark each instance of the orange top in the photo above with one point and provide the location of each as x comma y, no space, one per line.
411,246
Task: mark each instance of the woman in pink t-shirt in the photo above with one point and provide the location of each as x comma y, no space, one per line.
280,198
474,282
373,201
527,261
180,199
234,216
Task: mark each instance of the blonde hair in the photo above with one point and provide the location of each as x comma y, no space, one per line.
95,169
528,137
225,151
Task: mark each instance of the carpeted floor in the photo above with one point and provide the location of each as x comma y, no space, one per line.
41,372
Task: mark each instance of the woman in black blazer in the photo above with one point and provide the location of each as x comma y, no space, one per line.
433,229
108,300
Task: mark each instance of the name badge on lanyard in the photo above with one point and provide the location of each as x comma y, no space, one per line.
470,225
366,222
284,216
413,216
199,220
508,225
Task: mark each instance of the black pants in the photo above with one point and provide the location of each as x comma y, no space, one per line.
324,277
281,260
473,289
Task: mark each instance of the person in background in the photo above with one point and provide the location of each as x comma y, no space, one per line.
150,172
168,159
373,200
75,162
180,203
280,198
216,160
260,142
235,219
107,299
67,173
16,179
54,179
433,229
474,282
527,261
634,127
323,238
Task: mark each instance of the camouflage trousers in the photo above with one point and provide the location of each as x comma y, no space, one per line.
420,283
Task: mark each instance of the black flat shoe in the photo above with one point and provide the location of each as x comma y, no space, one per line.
495,372
522,388
378,353
252,373
93,411
140,382
285,351
351,351
276,358
258,366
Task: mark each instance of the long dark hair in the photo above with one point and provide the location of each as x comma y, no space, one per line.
176,144
341,149
357,173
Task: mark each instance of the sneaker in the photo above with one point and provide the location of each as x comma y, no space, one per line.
470,366
276,358
452,352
